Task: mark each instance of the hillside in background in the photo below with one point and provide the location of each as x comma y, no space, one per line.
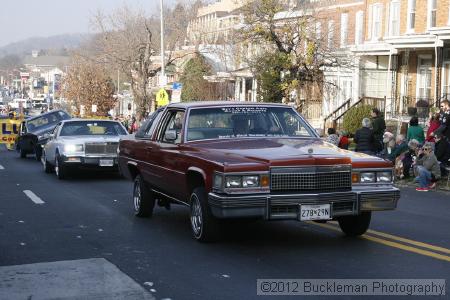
57,44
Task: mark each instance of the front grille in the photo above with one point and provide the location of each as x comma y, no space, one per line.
101,148
311,179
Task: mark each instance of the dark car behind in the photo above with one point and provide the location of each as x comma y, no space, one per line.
34,132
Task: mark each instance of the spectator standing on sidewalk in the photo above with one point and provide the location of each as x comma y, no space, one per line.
442,152
434,125
378,126
364,138
426,168
444,120
415,131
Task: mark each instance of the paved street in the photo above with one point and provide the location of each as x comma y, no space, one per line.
90,216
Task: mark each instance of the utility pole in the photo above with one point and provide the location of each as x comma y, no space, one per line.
163,73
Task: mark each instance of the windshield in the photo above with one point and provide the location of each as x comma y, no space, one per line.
245,121
92,128
46,120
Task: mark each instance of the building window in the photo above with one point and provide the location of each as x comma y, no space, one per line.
432,13
344,30
330,38
377,20
359,27
411,15
318,31
424,78
394,18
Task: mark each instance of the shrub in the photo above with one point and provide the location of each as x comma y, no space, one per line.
354,116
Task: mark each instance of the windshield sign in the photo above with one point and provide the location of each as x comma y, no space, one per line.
245,121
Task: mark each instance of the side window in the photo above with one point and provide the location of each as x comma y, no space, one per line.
174,123
152,124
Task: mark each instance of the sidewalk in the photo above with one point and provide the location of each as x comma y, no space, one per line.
441,185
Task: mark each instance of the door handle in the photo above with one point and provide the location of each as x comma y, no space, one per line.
149,148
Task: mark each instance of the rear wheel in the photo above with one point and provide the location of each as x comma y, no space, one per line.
38,152
205,227
60,168
23,153
355,225
143,199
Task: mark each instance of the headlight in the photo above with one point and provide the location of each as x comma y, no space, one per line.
73,148
250,181
233,181
367,177
384,176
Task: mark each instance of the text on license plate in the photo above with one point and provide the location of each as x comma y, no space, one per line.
106,162
315,212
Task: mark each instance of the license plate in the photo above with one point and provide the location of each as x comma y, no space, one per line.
315,212
106,162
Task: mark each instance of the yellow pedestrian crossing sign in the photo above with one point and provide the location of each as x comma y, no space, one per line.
162,98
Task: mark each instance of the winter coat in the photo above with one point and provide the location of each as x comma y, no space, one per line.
364,140
433,126
416,132
444,128
333,139
398,150
430,163
442,151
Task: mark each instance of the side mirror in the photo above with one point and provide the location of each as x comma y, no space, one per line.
170,136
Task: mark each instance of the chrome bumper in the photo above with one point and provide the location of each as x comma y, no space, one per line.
286,206
91,160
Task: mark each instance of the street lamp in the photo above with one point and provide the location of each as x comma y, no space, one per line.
163,73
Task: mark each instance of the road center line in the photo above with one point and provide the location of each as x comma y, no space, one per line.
392,244
1,167
33,197
403,240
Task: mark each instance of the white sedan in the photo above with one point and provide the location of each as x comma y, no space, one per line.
78,143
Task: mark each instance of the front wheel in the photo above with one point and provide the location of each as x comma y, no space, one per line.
143,199
60,168
355,225
205,227
48,168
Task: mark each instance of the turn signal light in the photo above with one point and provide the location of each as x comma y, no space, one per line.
264,180
355,178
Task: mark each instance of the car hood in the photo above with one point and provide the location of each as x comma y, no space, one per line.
89,139
282,151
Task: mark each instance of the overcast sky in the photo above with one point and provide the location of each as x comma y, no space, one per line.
29,18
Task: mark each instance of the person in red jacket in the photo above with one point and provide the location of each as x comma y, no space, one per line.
343,140
434,124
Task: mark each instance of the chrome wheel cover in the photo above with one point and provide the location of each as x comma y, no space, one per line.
57,167
196,216
137,196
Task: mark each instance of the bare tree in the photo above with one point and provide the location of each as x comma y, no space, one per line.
292,42
87,84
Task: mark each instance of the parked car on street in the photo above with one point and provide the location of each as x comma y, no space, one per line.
251,160
34,132
79,143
